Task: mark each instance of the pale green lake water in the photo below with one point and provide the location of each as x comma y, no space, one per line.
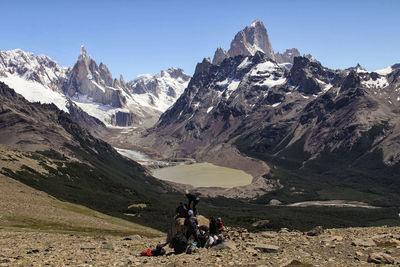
204,175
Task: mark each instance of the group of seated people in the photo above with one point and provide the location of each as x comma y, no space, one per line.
204,236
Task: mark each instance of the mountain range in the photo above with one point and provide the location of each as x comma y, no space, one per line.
90,88
305,132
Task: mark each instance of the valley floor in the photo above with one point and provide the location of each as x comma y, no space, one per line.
332,248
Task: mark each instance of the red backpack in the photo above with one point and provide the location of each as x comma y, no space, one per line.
146,252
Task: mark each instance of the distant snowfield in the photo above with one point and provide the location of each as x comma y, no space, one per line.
35,92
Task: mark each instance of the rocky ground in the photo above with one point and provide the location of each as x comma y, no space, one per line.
331,247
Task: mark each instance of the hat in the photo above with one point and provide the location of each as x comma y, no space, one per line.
190,212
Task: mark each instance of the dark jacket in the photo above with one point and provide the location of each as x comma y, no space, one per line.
191,223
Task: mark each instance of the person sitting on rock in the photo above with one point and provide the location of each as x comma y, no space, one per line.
214,232
179,242
191,225
181,210
220,225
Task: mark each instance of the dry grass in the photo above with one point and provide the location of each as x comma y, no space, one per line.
23,207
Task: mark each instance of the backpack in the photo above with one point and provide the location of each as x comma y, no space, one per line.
179,243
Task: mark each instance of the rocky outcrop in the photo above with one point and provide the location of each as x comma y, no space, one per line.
178,225
121,118
219,56
251,39
287,56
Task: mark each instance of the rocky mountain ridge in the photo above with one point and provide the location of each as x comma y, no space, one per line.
91,87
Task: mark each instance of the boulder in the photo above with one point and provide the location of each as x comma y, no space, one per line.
368,242
266,248
274,202
178,224
380,258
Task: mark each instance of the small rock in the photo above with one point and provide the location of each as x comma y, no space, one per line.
266,248
269,234
315,231
359,254
225,245
380,258
363,242
284,231
274,202
107,246
32,251
332,239
295,263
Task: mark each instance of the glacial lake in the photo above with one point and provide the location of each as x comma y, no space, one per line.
204,175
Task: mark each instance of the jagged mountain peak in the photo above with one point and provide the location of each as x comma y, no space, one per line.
83,53
219,55
251,39
357,68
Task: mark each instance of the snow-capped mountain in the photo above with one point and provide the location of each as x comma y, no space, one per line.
37,78
388,70
255,38
90,88
160,90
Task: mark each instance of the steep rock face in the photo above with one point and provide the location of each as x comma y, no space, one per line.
94,81
310,76
255,38
251,39
219,56
287,56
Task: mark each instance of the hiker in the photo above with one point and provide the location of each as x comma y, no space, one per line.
191,198
159,251
181,210
179,242
213,226
195,202
191,224
220,225
214,233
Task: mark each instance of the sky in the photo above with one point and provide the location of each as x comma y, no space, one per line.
134,37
